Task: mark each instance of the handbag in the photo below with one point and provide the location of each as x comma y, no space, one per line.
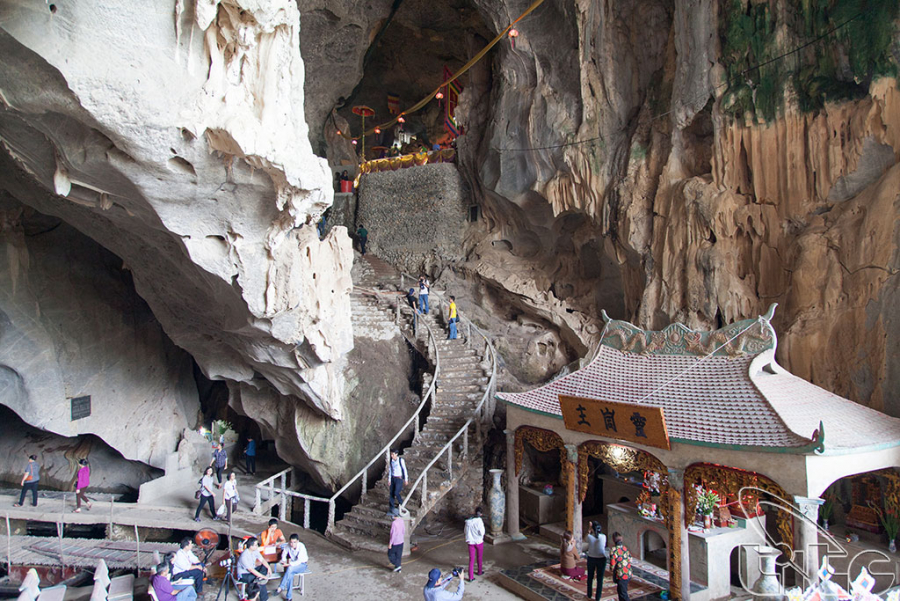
197,494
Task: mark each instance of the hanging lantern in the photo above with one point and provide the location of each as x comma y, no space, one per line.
340,133
377,130
353,142
439,95
513,34
400,119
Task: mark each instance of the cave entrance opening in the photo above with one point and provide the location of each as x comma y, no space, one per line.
407,61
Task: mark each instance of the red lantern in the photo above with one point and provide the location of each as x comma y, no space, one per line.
339,133
513,34
439,95
377,130
400,119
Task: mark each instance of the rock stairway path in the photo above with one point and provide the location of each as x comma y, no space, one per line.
462,381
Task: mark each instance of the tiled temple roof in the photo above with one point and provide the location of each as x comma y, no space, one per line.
735,396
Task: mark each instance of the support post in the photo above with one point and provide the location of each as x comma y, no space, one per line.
573,505
330,515
424,489
450,460
679,554
806,540
137,544
59,532
512,492
8,545
256,508
466,443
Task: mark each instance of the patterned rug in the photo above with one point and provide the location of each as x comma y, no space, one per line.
551,577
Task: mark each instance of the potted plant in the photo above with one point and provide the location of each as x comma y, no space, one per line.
891,524
707,501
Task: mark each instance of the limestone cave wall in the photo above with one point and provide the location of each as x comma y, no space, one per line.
692,161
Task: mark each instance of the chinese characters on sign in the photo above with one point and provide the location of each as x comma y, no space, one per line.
623,421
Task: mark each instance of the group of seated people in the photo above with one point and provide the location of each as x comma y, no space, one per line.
252,568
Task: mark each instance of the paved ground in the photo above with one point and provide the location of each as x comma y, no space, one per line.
339,574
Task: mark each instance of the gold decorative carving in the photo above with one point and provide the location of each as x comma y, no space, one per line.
728,482
540,439
622,459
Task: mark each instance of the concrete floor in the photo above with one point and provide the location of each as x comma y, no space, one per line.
339,574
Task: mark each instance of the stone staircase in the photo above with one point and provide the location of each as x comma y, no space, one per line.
462,382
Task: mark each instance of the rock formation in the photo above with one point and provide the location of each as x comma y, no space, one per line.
176,140
632,157
73,326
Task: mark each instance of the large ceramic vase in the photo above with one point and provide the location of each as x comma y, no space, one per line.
767,588
497,503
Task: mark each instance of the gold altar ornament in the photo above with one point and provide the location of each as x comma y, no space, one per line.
642,424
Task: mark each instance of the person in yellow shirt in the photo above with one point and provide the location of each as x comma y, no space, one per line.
453,318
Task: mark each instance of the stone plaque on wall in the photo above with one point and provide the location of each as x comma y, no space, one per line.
642,424
81,407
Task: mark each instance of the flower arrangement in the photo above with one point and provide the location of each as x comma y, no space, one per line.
707,501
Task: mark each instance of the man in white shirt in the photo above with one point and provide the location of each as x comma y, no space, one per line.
399,477
294,559
187,565
475,540
424,288
247,564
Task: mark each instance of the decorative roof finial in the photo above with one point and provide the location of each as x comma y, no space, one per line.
770,313
605,316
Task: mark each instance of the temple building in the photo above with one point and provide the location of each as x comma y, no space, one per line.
702,452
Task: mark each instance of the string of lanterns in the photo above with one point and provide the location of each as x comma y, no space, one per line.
437,93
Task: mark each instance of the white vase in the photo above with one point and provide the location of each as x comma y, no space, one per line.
767,588
496,504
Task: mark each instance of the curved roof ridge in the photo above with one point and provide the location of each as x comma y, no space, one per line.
746,337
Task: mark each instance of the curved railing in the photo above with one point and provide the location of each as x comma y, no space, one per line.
463,432
386,450
279,495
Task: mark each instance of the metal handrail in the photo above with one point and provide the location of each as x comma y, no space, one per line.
385,451
463,431
268,484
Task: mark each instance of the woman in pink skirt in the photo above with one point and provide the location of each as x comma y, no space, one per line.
82,481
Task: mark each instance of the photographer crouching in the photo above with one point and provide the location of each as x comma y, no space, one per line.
434,590
247,571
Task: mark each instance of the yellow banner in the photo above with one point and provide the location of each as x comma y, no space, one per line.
623,421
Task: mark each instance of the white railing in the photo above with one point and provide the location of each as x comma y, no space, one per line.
279,495
477,419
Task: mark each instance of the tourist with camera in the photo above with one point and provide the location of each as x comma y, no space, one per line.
434,588
596,558
247,565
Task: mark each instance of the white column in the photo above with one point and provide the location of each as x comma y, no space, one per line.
806,538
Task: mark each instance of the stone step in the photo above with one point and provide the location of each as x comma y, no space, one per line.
356,542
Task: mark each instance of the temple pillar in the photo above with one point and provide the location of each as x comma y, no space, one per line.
806,538
512,485
679,546
573,504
